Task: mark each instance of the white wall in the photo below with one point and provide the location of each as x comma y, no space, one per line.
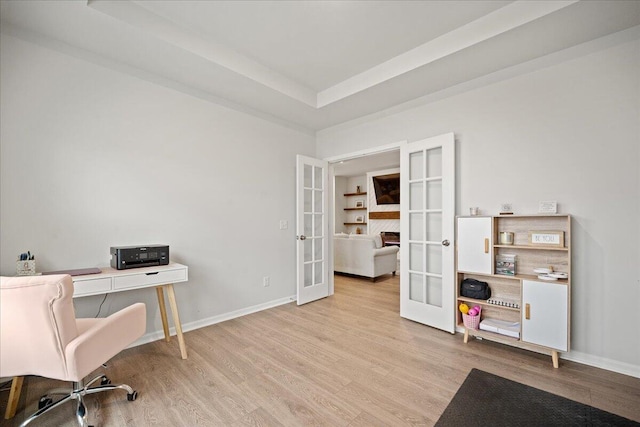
92,158
569,132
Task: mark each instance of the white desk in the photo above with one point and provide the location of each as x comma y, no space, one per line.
161,277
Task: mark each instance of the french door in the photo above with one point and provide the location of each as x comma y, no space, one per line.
312,228
427,207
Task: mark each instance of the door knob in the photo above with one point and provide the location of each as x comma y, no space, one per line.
302,237
445,243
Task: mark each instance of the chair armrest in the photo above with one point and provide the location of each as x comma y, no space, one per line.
103,339
386,250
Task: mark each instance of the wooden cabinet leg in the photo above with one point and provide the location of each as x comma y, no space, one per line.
176,320
163,313
466,335
14,397
554,358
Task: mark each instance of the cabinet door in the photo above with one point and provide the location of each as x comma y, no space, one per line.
544,315
475,246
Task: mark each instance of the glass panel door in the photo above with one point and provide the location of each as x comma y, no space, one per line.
427,218
312,229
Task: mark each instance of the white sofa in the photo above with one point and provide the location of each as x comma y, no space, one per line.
363,255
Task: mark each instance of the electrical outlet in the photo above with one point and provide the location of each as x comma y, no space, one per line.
266,281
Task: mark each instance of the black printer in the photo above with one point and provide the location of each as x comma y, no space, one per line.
124,257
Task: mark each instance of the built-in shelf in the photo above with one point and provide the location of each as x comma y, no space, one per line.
355,209
355,194
355,223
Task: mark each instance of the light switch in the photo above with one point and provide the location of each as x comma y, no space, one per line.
284,224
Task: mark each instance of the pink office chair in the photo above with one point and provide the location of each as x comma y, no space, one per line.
40,335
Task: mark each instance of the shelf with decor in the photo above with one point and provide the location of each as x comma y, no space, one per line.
356,211
536,304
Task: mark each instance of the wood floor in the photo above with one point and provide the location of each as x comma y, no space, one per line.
347,360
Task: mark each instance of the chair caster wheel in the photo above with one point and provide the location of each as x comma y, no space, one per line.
132,396
44,402
105,381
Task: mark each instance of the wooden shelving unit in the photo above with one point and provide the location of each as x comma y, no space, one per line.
542,307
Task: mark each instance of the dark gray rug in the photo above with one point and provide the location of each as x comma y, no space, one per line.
487,400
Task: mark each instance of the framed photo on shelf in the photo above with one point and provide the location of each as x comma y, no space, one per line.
548,207
359,203
359,218
547,238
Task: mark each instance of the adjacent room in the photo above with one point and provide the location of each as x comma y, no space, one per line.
319,213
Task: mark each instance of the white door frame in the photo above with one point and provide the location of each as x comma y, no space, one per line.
332,193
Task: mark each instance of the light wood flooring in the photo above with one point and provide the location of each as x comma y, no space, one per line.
347,360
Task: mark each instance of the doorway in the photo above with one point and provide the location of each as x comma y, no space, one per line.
426,221
351,196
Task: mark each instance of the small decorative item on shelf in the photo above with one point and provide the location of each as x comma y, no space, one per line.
474,211
359,218
26,264
502,303
506,264
358,189
505,238
548,207
359,203
358,231
547,238
506,209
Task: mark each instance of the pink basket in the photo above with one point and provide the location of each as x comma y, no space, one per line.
470,322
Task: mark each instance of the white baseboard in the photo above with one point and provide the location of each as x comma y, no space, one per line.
603,363
595,361
158,335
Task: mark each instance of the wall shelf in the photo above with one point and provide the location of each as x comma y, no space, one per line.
355,209
355,194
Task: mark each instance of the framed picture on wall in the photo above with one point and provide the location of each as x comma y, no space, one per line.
359,203
359,218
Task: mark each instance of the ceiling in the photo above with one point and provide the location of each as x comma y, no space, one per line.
371,162
312,65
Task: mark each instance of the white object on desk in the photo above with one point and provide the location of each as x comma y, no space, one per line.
161,277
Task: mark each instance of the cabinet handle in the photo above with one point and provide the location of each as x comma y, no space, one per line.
527,311
486,246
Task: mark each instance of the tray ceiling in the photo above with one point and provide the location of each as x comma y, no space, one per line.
314,64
